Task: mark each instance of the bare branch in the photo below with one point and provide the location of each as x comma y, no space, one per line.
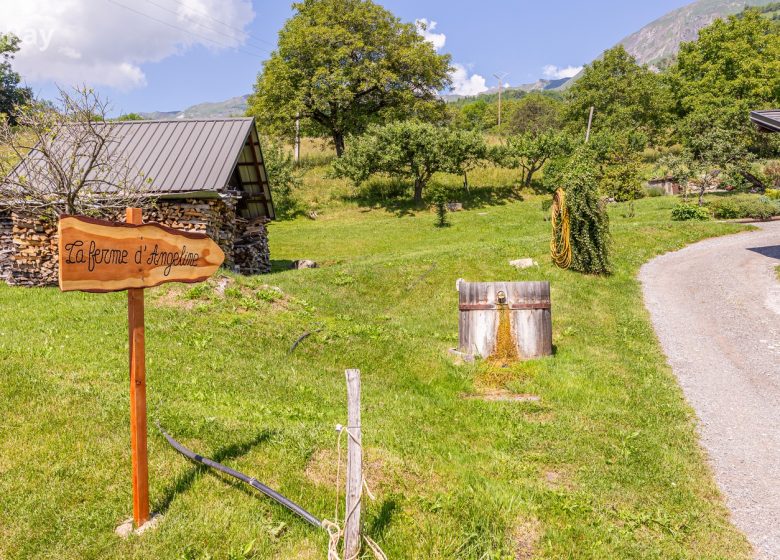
65,159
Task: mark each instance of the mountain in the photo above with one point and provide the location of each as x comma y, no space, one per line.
659,41
233,107
538,85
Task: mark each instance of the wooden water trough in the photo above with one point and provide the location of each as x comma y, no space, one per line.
527,307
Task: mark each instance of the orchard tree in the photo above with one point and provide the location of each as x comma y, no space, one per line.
342,65
11,94
529,153
407,150
536,114
625,95
464,151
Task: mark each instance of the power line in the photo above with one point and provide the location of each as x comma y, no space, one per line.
209,16
253,55
229,36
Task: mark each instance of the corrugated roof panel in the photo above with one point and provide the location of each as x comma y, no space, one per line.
229,153
201,138
203,163
178,156
767,120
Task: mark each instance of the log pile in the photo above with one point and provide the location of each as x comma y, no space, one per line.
28,245
250,252
34,258
6,245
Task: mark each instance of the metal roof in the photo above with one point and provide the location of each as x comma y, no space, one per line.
179,156
768,121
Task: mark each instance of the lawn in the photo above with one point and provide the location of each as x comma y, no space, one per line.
606,465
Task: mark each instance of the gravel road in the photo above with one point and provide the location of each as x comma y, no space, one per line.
715,306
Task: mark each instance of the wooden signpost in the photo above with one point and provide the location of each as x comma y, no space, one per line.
100,256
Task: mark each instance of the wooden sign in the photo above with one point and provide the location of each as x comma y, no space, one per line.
101,256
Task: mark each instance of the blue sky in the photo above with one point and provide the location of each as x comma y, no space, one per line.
140,71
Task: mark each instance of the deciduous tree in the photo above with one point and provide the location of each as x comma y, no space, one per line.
408,150
345,64
11,94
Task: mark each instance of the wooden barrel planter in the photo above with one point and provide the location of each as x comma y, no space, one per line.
525,304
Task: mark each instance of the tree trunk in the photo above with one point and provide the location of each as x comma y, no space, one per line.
418,190
466,181
528,177
338,142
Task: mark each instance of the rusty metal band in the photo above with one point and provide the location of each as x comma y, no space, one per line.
512,307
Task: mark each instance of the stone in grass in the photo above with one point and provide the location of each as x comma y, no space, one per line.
454,206
303,263
125,529
521,264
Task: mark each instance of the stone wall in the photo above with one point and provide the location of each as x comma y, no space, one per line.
30,259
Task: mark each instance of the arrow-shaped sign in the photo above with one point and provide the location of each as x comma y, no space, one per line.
101,256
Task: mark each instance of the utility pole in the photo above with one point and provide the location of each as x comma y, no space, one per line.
500,79
297,139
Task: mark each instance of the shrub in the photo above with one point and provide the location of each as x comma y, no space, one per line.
684,212
736,207
773,194
439,201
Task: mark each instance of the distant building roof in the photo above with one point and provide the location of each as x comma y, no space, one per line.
181,157
767,121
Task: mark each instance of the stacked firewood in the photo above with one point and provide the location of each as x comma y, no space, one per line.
34,258
250,252
28,245
6,246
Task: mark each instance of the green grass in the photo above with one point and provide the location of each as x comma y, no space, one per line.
607,465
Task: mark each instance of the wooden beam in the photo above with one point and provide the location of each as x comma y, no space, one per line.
135,319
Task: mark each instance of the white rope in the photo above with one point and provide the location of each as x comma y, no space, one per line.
335,531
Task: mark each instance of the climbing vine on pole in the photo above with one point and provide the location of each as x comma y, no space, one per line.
589,235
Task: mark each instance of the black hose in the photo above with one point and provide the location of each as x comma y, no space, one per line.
262,488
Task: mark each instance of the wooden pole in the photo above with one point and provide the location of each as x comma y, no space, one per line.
135,319
590,123
298,138
352,540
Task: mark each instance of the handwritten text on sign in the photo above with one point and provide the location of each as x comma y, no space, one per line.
100,256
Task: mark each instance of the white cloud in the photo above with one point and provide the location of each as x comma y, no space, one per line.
553,72
105,42
463,84
425,28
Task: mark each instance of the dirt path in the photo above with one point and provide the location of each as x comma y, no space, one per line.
716,309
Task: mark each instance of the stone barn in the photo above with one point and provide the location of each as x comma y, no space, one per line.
206,175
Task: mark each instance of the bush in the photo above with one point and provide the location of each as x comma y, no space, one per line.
684,212
439,200
738,207
773,194
654,192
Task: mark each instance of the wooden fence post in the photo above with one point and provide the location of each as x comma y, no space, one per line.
135,320
352,529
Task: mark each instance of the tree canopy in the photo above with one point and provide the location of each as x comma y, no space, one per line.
733,68
626,96
409,150
11,94
345,64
